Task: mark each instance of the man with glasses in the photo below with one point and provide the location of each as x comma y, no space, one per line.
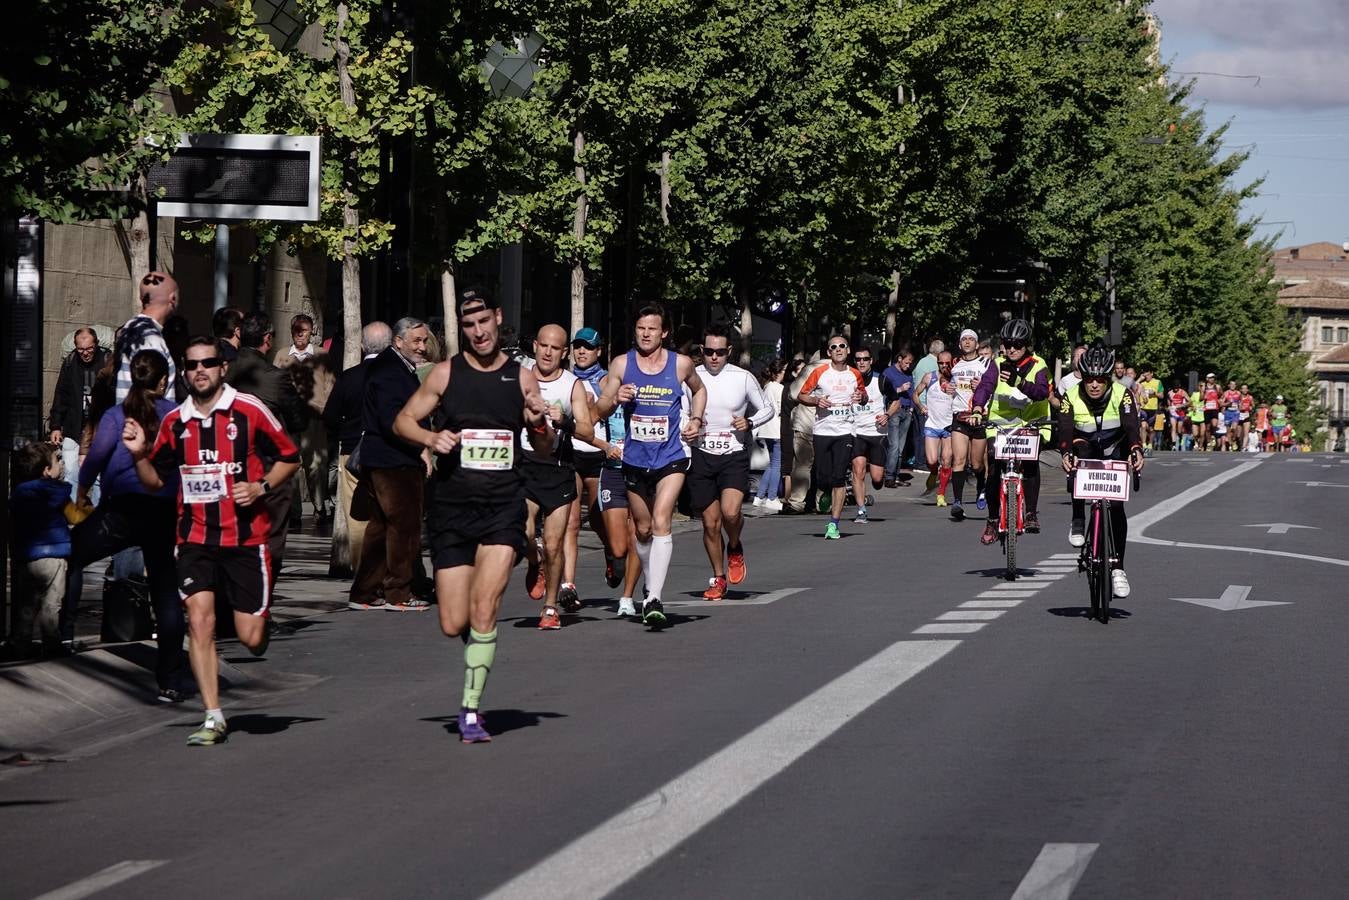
833,388
1014,390
71,402
871,418
218,442
719,468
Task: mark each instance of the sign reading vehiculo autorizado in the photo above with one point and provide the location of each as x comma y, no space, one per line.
1101,479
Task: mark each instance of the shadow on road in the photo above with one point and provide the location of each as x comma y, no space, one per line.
1084,612
258,723
498,721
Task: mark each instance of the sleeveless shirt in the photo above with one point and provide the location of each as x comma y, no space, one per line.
488,411
653,417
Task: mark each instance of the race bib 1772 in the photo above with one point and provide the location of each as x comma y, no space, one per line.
487,449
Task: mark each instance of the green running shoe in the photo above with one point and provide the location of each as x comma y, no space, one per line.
831,532
211,732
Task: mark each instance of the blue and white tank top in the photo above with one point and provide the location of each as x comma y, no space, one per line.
653,418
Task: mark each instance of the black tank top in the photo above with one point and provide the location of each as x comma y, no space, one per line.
488,411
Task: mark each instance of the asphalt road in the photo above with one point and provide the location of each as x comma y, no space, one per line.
903,724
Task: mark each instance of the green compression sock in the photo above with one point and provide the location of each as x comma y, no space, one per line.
479,653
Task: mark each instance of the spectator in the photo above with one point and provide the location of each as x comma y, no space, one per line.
771,434
312,379
39,504
788,461
301,338
73,400
897,438
226,324
803,446
343,414
159,300
131,516
394,473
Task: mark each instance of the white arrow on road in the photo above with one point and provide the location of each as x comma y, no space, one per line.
1320,484
1235,597
1280,527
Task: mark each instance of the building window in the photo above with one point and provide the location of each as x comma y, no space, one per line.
1327,334
1342,335
1339,402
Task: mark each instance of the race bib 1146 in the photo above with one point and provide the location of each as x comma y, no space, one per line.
649,429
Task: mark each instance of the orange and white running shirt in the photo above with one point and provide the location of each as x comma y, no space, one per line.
966,375
839,387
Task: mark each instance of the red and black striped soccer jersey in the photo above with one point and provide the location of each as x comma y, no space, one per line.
242,437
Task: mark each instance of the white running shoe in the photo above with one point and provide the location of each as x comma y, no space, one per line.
773,505
626,607
759,501
1119,583
1077,533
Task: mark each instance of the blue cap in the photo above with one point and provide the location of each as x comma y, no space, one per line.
588,336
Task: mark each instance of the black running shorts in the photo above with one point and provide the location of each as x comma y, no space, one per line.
710,474
870,446
240,575
551,487
457,530
833,461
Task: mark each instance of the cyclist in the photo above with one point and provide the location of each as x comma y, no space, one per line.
1099,420
1015,389
968,438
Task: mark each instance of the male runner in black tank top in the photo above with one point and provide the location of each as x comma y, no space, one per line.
481,400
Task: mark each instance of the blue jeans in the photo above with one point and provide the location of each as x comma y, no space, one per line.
896,438
772,476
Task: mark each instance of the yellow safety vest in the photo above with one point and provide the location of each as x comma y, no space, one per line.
1086,423
1004,409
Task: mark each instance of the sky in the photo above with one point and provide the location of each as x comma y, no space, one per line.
1290,110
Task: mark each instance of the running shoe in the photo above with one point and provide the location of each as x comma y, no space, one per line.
716,588
735,565
626,607
758,501
861,517
957,511
941,499
170,695
931,482
773,505
212,731
981,502
1077,532
990,532
471,727
373,603
831,532
549,621
611,575
891,483
1032,523
411,604
653,614
535,580
1119,583
567,598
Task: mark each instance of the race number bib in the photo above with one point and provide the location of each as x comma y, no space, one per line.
649,429
488,449
1023,443
1101,479
720,442
203,484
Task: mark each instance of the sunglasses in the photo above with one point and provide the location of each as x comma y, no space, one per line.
210,362
838,346
716,351
861,359
153,278
582,345
1015,345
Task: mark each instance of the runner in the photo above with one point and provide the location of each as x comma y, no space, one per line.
648,382
1212,397
1245,407
1278,422
483,402
216,442
550,477
968,441
588,457
1015,389
833,388
871,421
613,505
719,470
1099,420
1198,431
1149,398
1231,404
1180,403
938,393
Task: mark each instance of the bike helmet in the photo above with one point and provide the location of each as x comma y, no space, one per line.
1016,330
1097,362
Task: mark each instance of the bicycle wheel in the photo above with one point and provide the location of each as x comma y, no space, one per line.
1091,556
1011,504
1101,562
1107,558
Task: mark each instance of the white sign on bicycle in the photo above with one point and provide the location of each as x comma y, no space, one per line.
1101,479
1021,444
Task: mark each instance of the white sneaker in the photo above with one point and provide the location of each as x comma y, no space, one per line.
1119,583
759,501
773,505
1077,534
626,607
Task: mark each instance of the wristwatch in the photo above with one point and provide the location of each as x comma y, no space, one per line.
266,487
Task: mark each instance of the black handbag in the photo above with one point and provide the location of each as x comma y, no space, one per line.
354,459
127,612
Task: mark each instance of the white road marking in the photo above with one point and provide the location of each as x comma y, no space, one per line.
611,854
1072,556
970,615
1280,527
950,628
114,874
1046,575
1233,598
991,604
752,600
1319,484
1055,872
1021,584
1011,593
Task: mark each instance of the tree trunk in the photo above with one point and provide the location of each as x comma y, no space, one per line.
892,310
578,230
138,239
339,556
665,188
746,326
449,291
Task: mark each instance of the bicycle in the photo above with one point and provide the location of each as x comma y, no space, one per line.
1103,482
1013,445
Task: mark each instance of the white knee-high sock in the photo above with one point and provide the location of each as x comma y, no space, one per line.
662,550
644,556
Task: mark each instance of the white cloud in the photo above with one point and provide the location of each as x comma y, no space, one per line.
1299,49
